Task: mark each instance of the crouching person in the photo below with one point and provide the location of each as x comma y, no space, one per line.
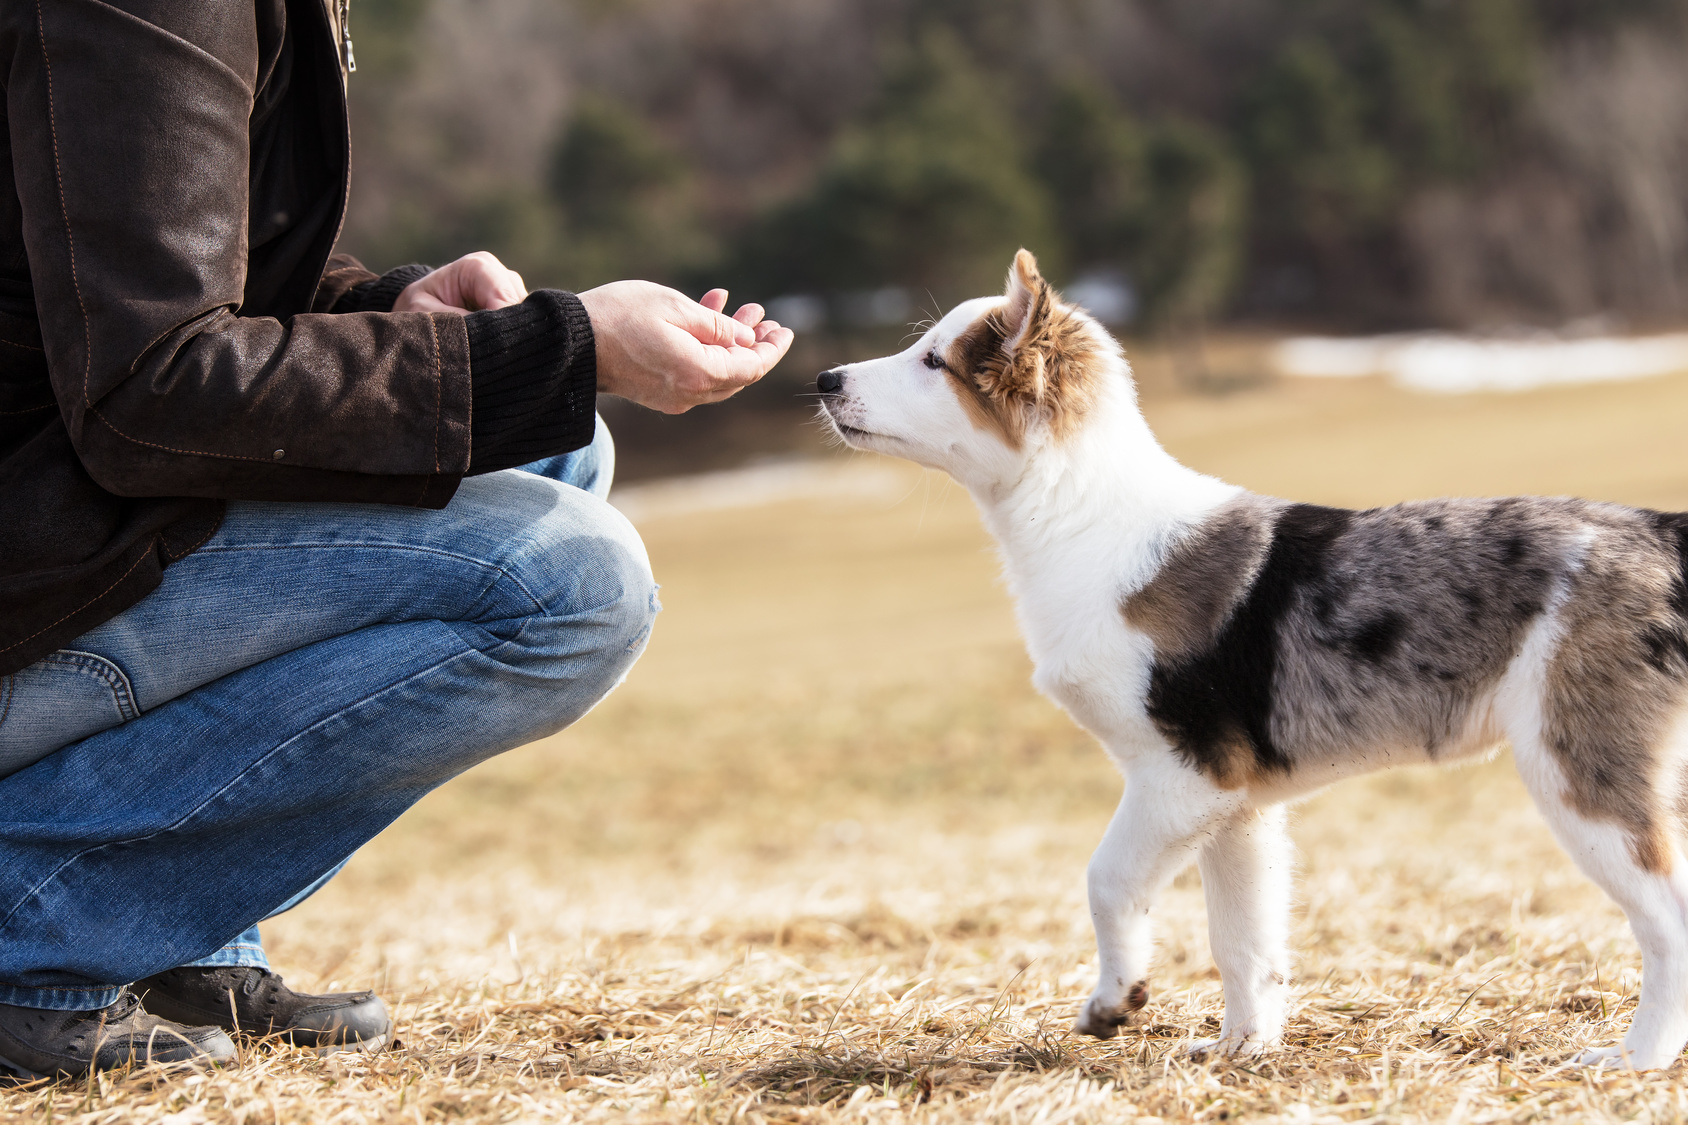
284,544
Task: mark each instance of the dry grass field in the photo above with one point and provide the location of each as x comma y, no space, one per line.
822,858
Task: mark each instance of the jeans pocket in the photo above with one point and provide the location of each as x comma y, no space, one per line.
61,698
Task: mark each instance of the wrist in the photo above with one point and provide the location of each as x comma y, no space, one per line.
599,322
531,368
382,293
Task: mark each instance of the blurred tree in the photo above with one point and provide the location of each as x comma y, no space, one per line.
992,32
1497,45
1441,84
625,199
1166,203
610,168
1363,110
928,191
516,223
1386,163
1189,254
1410,80
1090,156
1319,175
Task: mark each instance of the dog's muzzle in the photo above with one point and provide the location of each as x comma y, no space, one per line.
829,382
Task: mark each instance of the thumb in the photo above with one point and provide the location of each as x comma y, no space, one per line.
723,331
493,289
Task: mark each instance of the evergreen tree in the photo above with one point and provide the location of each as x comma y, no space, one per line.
1090,156
929,191
1320,175
625,198
1165,204
1325,159
1189,255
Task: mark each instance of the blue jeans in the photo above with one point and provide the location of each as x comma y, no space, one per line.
214,753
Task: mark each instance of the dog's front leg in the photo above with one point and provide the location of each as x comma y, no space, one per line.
1158,828
1246,877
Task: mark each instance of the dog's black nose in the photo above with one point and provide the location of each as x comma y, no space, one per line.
829,382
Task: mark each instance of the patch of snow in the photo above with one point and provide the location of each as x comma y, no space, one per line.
1447,364
1106,295
800,312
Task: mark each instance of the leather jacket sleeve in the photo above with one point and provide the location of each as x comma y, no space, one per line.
343,274
130,136
380,294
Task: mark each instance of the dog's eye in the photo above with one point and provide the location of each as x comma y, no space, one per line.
933,360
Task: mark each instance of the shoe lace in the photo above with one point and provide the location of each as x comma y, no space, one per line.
262,981
121,1008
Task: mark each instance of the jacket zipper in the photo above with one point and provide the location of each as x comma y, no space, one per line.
344,11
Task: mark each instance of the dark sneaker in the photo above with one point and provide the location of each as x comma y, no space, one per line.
40,1043
255,1002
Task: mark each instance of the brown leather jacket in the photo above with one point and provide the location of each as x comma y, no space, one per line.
173,176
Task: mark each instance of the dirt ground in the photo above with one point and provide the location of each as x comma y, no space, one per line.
821,859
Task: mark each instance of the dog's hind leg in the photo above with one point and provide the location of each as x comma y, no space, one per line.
1162,821
1246,873
1595,704
1648,880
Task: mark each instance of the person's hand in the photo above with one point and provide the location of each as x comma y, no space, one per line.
666,351
474,281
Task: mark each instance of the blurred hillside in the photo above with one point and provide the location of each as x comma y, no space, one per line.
1396,162
858,164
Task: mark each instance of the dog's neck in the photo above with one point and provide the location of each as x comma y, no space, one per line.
1098,505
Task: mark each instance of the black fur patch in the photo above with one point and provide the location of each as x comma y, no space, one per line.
1674,527
1207,704
1663,644
1376,639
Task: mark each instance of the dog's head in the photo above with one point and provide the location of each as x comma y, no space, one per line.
986,388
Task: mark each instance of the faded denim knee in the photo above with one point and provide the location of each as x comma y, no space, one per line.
585,579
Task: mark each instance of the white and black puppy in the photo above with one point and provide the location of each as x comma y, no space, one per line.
1233,651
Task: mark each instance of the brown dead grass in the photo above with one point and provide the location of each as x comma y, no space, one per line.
822,858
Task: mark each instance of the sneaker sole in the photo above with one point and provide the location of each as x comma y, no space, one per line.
359,1046
11,1074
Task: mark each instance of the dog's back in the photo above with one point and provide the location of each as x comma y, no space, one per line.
1290,636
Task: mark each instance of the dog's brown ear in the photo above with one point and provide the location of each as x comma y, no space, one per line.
1029,300
1026,318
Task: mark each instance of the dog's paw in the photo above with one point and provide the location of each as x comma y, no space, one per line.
1619,1057
1103,1018
1104,1023
1234,1048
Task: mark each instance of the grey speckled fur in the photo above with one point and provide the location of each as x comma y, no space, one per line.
1291,637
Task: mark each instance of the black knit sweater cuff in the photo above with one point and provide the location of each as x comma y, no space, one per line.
534,374
379,295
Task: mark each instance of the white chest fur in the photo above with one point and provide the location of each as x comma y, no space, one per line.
1076,540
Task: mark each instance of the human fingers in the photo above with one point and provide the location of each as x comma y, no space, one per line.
715,300
701,375
487,283
474,281
711,327
771,347
417,299
736,368
750,314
